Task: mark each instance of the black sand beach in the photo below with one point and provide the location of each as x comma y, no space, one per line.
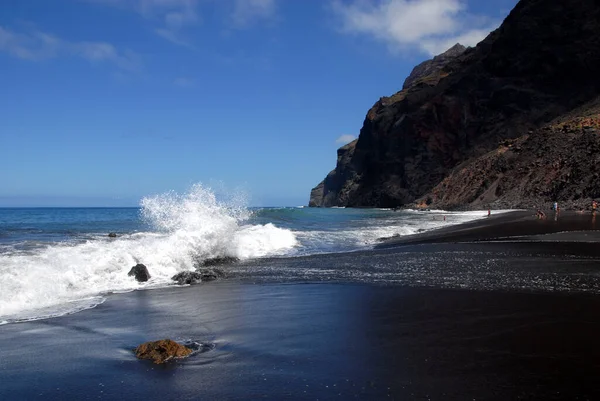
512,227
469,312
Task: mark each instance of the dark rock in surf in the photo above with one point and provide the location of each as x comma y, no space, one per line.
220,261
161,351
112,235
196,277
187,278
140,272
210,274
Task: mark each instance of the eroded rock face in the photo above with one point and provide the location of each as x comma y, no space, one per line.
554,163
436,65
161,351
335,189
140,272
542,63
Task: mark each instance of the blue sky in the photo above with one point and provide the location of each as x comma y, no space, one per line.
105,101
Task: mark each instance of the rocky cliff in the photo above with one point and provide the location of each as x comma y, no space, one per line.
555,163
433,67
421,144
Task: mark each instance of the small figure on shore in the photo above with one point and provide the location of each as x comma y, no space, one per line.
540,214
555,207
489,212
594,206
444,218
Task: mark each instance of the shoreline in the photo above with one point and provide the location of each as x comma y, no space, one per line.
498,308
309,341
509,226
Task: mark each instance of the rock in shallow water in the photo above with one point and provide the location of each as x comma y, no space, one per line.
161,351
112,235
210,274
140,272
220,261
187,278
197,276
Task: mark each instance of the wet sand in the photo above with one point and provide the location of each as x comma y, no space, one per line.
513,226
313,341
519,321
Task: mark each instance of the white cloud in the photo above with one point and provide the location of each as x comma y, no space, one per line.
37,45
246,12
344,139
431,26
184,82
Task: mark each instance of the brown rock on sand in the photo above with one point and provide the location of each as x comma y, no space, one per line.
161,351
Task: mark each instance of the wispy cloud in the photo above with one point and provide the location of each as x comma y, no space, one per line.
170,16
247,12
430,26
184,82
173,37
175,14
344,139
33,46
174,18
37,45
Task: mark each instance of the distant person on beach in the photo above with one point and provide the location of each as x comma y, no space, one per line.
556,206
540,214
489,212
594,206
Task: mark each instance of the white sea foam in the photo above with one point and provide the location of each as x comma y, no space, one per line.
188,229
322,241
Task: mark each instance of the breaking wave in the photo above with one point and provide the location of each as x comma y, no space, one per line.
186,229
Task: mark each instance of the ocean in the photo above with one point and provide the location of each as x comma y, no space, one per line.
55,261
312,309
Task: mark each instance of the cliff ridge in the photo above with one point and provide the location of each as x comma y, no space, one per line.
541,64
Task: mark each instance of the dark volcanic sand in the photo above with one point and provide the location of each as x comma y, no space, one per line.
314,341
387,338
512,226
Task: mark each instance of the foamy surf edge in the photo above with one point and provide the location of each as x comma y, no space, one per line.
188,229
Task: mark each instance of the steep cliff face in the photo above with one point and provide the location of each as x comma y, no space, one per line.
434,66
542,63
342,179
555,163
